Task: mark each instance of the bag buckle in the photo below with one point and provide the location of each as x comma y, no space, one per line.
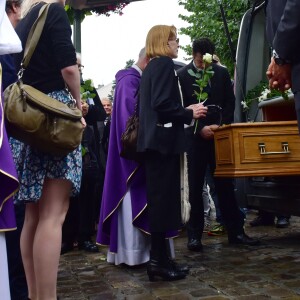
20,73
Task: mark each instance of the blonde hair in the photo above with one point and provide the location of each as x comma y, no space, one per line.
157,40
28,4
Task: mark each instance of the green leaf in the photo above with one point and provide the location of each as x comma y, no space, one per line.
88,82
192,73
83,151
203,84
211,73
204,96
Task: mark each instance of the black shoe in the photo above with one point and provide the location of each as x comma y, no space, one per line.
243,239
195,245
282,222
66,247
261,221
88,246
179,267
165,271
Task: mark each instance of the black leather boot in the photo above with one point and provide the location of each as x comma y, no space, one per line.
179,267
164,270
160,265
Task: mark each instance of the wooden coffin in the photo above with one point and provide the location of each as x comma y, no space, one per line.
257,149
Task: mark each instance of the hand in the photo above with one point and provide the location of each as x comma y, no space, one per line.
213,127
207,133
85,108
279,76
82,120
199,111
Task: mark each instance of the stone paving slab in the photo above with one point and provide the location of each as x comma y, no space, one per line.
268,271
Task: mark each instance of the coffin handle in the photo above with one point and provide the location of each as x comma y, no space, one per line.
285,148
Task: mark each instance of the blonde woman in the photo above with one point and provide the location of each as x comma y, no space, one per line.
162,139
46,181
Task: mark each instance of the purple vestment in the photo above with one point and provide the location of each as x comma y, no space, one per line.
122,174
8,179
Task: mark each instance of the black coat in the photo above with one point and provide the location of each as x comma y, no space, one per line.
160,103
91,135
283,32
220,92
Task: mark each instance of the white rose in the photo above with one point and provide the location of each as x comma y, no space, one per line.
244,105
207,58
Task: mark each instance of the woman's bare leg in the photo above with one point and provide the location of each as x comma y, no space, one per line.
53,207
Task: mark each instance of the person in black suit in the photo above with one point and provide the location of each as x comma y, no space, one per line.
202,153
161,139
79,224
283,26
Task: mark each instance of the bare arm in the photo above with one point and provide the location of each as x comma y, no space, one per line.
72,79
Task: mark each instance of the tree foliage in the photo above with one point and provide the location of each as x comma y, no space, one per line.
129,63
205,20
106,10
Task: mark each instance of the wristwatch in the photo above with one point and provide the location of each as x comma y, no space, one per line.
278,60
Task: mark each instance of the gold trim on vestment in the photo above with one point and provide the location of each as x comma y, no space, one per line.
1,141
144,231
8,229
127,182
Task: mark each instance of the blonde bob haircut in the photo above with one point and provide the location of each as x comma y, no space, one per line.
157,40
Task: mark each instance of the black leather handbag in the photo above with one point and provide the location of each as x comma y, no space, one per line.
130,136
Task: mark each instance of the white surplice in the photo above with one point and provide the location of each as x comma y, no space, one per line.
4,281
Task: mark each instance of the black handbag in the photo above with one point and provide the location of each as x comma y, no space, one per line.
130,135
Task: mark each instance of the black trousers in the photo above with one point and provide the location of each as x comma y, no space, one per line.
17,279
84,210
200,155
163,191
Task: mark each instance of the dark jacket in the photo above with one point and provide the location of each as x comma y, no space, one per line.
8,69
220,92
283,32
160,103
91,136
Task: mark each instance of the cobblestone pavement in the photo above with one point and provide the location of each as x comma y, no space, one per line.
268,271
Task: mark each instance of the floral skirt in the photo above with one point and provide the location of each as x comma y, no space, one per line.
34,166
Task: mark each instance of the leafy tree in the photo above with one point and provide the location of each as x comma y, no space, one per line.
129,63
112,91
205,20
106,10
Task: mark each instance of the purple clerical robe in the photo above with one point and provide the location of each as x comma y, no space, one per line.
122,174
8,178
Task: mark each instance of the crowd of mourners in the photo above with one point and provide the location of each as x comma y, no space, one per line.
91,197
